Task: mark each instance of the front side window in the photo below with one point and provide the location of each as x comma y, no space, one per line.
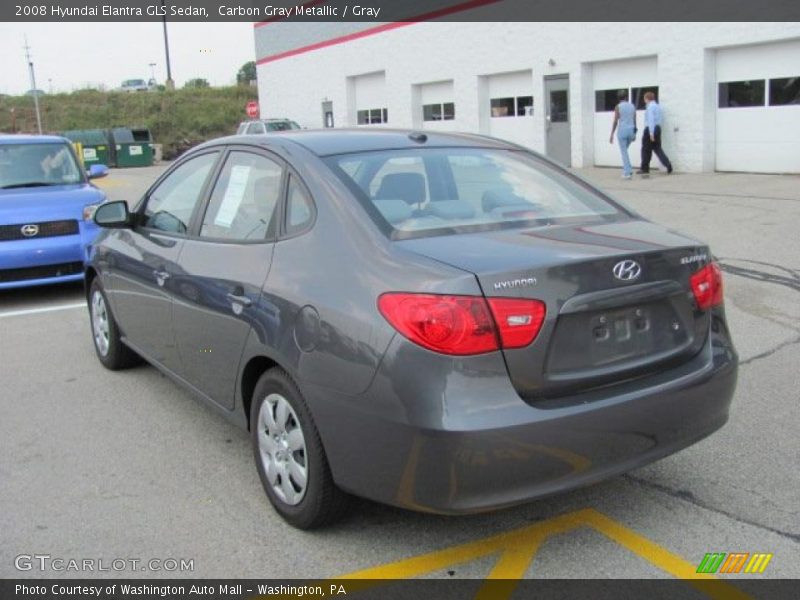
440,191
242,205
171,204
37,165
737,94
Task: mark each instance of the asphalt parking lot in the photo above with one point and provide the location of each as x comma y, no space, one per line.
105,465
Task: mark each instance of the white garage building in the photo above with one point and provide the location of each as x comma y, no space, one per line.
730,91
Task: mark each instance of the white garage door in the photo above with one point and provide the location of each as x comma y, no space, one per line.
369,98
758,108
511,107
436,105
637,76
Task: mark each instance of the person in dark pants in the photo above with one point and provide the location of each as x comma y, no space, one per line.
651,137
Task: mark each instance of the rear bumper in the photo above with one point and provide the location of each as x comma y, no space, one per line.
466,442
25,263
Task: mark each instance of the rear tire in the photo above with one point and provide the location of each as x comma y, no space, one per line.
108,345
289,455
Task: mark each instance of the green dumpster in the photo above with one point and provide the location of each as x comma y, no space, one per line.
96,146
132,146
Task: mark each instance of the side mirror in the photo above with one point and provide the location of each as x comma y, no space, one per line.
113,214
96,171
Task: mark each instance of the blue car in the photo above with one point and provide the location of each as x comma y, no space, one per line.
46,209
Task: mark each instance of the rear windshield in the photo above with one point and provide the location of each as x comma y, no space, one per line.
32,165
439,191
281,125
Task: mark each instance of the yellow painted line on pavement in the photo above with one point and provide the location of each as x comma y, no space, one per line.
517,550
107,183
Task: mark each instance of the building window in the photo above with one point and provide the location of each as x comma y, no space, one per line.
372,116
784,91
521,106
637,95
439,112
607,100
559,106
733,94
524,106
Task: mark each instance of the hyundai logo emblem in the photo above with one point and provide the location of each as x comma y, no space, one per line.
29,230
627,270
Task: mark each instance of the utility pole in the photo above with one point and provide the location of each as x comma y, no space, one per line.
34,91
170,85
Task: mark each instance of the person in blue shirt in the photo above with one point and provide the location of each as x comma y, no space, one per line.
651,137
625,126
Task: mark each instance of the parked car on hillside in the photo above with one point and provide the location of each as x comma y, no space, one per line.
261,126
134,85
46,208
447,323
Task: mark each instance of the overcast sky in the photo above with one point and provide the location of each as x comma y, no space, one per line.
74,55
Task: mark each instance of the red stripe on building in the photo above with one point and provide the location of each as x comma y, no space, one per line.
436,14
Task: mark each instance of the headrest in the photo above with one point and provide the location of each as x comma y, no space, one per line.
409,187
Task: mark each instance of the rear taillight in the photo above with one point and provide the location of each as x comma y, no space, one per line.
462,325
707,286
518,321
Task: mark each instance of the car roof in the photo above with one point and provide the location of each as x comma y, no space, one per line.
327,142
32,139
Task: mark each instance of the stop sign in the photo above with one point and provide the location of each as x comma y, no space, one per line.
252,109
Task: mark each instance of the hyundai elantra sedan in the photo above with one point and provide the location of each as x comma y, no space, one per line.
446,323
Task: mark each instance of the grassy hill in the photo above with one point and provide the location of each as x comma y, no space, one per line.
177,119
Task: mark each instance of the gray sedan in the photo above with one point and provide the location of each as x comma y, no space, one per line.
446,323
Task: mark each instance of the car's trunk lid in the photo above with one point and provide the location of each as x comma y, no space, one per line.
600,327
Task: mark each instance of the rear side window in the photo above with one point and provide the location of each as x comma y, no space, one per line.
439,191
242,205
299,208
171,204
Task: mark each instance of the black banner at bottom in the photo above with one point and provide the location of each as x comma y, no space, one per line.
386,589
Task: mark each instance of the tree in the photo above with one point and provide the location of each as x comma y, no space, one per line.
197,82
247,73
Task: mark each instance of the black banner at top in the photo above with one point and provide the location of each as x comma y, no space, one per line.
382,11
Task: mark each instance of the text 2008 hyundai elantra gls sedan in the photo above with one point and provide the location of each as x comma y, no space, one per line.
446,323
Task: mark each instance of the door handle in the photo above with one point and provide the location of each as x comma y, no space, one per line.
241,300
161,277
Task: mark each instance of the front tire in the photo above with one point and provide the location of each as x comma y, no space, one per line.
289,455
108,345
